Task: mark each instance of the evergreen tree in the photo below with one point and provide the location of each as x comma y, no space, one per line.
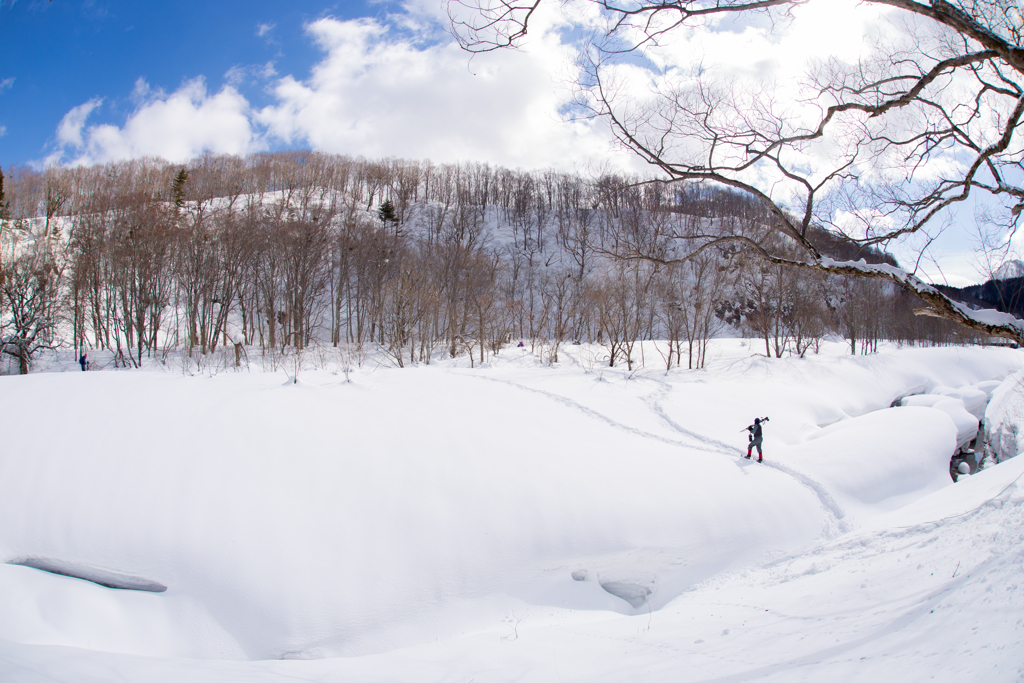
178,188
387,214
5,206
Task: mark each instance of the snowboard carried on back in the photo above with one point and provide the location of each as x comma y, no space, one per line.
750,437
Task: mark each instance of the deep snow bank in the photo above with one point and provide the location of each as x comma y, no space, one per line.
1004,420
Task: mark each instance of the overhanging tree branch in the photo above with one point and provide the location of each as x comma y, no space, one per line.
951,92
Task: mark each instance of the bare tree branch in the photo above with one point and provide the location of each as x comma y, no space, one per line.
953,91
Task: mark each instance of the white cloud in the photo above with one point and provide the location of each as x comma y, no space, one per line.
6,83
241,75
377,91
142,92
403,88
176,127
69,130
3,131
783,48
759,66
236,75
378,95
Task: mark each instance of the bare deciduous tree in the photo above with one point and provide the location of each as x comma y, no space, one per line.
949,87
30,300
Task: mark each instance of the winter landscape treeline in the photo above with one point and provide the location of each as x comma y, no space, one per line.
283,253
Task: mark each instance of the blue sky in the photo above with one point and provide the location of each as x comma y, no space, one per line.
102,80
56,55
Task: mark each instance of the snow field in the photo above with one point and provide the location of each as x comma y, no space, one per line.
305,517
369,519
929,592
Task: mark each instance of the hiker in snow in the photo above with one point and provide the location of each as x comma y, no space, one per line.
755,438
84,361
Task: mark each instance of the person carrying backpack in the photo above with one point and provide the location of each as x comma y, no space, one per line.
756,436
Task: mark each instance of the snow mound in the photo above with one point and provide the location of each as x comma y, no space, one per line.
922,400
955,404
974,399
347,520
988,386
879,461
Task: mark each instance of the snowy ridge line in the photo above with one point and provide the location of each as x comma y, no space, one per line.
656,407
568,402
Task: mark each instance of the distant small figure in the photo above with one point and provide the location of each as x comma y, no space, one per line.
756,436
520,344
84,361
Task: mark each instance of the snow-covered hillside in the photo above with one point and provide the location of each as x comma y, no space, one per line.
510,522
1009,270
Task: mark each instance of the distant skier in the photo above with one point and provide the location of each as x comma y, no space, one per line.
756,437
84,361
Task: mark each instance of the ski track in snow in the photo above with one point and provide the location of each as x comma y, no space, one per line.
856,542
655,405
835,514
590,412
828,503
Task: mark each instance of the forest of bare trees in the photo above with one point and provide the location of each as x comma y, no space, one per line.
283,252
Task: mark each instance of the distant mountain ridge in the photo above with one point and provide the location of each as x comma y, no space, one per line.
1009,270
1004,292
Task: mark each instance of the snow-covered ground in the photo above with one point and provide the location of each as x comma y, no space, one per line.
512,522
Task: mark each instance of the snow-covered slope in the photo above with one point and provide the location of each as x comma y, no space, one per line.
511,522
